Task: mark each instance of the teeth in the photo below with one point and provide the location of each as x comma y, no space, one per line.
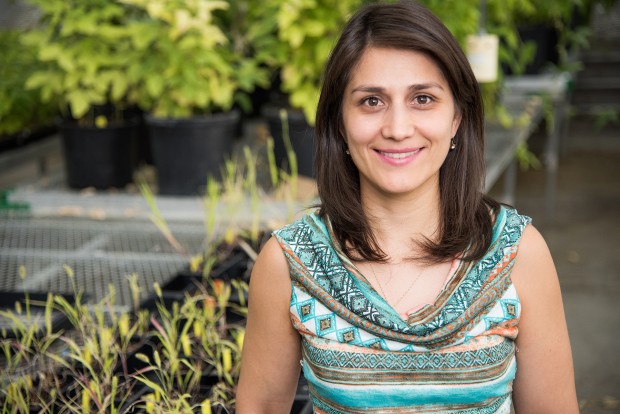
399,155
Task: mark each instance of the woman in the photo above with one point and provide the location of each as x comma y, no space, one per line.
400,293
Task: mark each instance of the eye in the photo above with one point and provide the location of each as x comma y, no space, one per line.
423,99
371,101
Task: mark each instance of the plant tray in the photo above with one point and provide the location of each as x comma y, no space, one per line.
235,267
11,326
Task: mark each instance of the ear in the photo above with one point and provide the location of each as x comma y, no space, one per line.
456,122
343,133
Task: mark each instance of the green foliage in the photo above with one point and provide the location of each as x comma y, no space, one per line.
307,31
85,367
607,117
461,17
564,17
172,58
20,109
85,47
186,63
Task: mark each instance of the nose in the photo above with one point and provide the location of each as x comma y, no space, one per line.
398,123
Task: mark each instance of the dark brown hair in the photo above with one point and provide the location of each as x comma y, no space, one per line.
465,220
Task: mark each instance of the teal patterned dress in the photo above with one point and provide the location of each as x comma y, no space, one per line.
360,356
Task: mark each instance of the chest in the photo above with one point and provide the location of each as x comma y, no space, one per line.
406,287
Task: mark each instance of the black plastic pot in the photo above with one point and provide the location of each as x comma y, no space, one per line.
301,136
99,157
545,37
186,151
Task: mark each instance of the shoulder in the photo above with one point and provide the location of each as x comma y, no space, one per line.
270,283
271,262
532,244
534,272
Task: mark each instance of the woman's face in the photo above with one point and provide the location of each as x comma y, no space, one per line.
399,116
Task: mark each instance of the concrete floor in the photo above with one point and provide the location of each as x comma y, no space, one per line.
583,236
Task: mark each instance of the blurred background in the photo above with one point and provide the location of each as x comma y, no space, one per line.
99,98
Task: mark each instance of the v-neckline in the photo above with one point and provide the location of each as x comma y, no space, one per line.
421,316
422,313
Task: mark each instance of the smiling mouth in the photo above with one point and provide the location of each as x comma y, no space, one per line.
398,155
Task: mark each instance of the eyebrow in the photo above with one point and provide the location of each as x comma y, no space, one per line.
414,87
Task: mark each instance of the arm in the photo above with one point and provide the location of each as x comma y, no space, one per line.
545,379
272,349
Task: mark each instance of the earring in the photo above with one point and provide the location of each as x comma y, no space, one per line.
452,144
347,151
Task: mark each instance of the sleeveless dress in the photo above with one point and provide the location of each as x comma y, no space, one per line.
360,356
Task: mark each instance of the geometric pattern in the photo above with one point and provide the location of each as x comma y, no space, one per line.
500,405
352,336
317,267
470,358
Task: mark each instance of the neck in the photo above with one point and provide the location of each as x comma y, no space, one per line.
399,221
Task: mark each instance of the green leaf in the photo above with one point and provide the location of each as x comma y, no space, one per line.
222,91
154,86
49,52
79,103
37,80
119,85
296,36
66,61
314,28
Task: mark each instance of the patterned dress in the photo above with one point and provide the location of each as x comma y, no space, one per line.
360,356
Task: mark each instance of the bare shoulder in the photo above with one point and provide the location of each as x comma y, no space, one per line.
270,275
532,243
272,251
534,264
271,264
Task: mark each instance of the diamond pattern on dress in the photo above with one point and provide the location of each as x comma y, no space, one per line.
511,308
325,324
306,310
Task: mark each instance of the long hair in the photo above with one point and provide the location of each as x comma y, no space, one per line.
465,221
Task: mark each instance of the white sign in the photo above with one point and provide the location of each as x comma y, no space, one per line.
482,53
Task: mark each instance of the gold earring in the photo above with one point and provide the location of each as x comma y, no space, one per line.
347,151
452,144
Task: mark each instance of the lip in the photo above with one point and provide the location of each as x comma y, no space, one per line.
399,157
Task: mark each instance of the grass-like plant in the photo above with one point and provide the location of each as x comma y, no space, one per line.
27,374
192,364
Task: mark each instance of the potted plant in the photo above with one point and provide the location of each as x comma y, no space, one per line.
191,74
85,51
555,28
23,116
306,33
